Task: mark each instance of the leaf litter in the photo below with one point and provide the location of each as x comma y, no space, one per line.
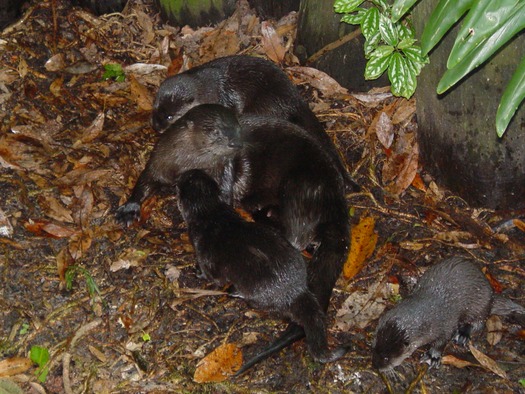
71,147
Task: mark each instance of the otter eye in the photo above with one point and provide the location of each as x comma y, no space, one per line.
169,118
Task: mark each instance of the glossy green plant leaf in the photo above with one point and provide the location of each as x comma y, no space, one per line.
444,16
346,6
388,31
371,44
509,30
512,97
378,63
483,19
354,18
402,76
400,8
370,23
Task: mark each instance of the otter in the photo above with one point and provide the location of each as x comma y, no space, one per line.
260,264
247,85
206,137
451,301
280,167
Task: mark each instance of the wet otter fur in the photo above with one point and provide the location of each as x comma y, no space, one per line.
262,266
451,301
206,137
247,85
279,167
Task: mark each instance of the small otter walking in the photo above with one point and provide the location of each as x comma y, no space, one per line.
262,266
451,301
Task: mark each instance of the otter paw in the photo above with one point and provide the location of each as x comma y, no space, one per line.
432,358
128,213
462,335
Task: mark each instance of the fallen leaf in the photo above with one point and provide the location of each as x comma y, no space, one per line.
520,224
405,111
7,386
407,172
362,245
220,364
384,129
418,183
494,330
486,362
44,228
271,42
141,94
80,243
319,80
92,131
14,366
129,258
456,362
6,229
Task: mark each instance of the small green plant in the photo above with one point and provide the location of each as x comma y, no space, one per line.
114,71
522,382
146,337
24,329
389,46
40,356
90,282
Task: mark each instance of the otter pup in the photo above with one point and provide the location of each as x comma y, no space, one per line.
248,85
206,137
279,167
262,266
451,301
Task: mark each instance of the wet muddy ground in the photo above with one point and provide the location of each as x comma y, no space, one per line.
121,310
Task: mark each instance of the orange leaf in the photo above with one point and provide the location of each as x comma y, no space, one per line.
519,224
14,366
218,365
362,246
141,94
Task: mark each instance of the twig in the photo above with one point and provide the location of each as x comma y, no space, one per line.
334,44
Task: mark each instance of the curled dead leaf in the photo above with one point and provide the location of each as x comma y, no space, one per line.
271,42
220,364
384,129
363,243
494,330
486,362
14,366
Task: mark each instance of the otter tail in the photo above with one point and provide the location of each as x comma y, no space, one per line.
502,306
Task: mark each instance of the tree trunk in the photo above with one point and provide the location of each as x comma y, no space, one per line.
319,26
195,13
457,133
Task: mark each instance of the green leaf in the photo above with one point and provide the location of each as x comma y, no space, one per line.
406,43
483,19
400,8
405,32
355,18
522,382
388,30
380,3
510,29
7,386
413,53
372,44
382,51
370,23
114,71
40,356
511,99
376,66
444,16
346,6
402,78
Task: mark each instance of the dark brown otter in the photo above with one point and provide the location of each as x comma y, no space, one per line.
451,301
260,263
248,85
279,167
206,137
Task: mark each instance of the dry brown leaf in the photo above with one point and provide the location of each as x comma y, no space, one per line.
54,209
456,362
56,87
494,330
55,62
410,245
92,131
318,79
384,129
6,229
407,173
86,202
220,364
271,43
14,366
405,111
520,224
64,260
486,362
129,258
418,183
44,228
81,176
363,243
23,68
80,243
140,94
144,20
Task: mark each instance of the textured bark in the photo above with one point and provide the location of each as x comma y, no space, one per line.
195,13
457,131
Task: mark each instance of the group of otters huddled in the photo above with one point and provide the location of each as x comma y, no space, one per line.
237,133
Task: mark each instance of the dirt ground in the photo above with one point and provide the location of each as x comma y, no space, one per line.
121,310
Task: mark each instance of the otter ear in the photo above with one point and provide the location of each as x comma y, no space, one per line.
189,124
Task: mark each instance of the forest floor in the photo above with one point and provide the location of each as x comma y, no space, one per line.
121,310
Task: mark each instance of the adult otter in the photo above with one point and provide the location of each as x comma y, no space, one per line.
282,167
206,137
262,266
451,301
248,85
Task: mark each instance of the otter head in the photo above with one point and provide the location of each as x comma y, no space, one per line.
391,346
177,95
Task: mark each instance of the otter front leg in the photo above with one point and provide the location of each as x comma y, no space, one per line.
463,334
130,211
433,356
